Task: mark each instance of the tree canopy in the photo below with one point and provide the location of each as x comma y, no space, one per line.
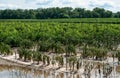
56,12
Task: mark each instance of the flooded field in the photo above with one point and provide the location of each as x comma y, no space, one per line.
22,72
14,71
88,69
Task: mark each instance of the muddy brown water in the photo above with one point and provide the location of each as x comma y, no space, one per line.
13,70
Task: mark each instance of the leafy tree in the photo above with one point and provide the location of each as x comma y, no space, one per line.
72,61
117,15
26,43
100,11
44,46
21,52
37,56
118,56
70,49
5,49
56,12
60,61
108,14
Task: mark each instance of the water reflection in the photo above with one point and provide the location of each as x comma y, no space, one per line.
9,71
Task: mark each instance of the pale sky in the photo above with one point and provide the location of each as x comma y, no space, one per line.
113,5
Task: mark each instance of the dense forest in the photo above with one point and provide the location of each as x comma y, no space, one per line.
66,12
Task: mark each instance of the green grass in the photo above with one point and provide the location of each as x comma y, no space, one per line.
69,20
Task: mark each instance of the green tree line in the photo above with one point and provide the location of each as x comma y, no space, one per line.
56,12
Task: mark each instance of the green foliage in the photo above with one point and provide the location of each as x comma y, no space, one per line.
5,49
72,61
59,37
53,35
60,60
26,43
24,53
20,52
118,55
70,49
44,46
37,56
65,12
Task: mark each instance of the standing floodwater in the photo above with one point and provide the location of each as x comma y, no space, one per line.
22,72
7,70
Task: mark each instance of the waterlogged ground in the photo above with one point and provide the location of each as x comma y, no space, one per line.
21,72
13,71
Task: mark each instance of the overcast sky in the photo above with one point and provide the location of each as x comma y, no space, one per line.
113,5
